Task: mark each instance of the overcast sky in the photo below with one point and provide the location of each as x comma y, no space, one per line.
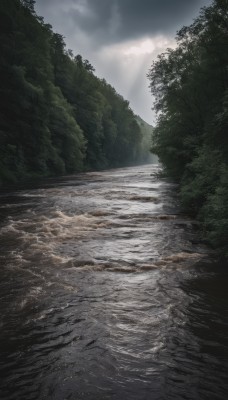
121,38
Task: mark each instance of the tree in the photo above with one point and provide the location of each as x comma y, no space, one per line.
56,116
190,85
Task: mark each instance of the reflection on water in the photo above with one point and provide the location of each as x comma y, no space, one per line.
106,293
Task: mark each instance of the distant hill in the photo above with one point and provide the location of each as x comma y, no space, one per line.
146,143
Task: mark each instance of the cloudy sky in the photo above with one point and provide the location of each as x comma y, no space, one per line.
121,38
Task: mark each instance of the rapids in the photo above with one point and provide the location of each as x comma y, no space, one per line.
108,293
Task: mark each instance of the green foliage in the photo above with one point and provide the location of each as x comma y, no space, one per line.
190,85
200,178
215,213
56,116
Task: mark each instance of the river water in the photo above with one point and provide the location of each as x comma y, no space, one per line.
107,293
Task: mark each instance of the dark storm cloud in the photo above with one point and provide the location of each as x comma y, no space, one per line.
112,21
133,18
121,38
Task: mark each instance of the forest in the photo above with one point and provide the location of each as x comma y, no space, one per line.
56,116
190,86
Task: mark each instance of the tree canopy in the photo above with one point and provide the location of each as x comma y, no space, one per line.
56,116
190,85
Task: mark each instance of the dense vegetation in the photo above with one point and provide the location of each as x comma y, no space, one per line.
190,86
56,116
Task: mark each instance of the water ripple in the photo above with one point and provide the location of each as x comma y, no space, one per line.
105,296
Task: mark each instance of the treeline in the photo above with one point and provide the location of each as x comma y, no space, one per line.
56,116
191,137
145,155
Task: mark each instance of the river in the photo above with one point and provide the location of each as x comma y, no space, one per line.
107,293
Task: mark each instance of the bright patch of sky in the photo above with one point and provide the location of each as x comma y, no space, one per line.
121,38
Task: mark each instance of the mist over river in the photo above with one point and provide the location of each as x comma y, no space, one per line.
108,293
